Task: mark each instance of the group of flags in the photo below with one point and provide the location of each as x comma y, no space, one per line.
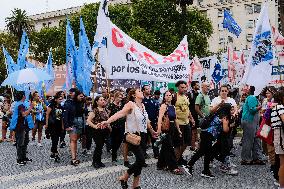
23,63
79,61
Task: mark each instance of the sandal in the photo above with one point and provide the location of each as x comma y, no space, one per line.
75,162
123,184
177,171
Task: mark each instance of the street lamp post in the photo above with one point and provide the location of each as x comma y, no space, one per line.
183,4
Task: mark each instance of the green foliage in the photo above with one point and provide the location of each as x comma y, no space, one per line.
47,38
11,44
157,24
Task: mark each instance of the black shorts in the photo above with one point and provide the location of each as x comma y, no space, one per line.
186,134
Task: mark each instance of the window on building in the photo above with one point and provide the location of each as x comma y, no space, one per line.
250,24
49,24
220,26
61,22
230,39
249,9
221,40
249,37
43,24
199,2
256,8
220,12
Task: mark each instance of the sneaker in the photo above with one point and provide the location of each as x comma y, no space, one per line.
89,152
127,164
228,170
28,160
187,169
57,159
101,164
232,165
52,156
33,142
206,174
21,163
276,182
182,161
212,165
84,153
39,144
62,144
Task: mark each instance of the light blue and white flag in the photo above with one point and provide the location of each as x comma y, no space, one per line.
11,66
258,71
23,51
230,24
85,61
49,69
71,57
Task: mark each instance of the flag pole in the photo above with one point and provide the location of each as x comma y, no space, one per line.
95,86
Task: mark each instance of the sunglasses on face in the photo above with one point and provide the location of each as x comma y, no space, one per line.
224,91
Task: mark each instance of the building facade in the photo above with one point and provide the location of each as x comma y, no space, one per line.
53,18
245,12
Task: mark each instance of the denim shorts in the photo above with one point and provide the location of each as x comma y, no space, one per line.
78,125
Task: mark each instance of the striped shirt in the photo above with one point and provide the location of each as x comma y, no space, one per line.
277,111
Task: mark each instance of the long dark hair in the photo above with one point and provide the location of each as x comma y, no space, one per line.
164,95
77,93
95,105
224,111
279,97
55,97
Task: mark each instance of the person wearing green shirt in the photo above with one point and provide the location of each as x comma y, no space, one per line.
202,102
251,145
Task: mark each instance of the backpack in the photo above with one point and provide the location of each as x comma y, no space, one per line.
205,122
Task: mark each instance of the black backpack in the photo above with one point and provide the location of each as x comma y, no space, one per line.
205,122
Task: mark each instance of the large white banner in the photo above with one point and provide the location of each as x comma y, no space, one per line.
125,58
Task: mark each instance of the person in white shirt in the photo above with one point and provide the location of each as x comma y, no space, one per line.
223,98
136,122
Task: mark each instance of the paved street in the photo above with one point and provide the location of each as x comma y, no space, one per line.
44,173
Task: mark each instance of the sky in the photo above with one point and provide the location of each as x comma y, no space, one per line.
36,6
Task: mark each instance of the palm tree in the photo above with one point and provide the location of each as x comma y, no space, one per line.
18,22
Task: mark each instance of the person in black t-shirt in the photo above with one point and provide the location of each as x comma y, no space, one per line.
192,97
152,108
54,124
118,127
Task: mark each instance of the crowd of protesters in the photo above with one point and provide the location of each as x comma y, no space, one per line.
170,123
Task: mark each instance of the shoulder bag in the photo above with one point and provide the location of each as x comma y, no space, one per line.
133,138
165,122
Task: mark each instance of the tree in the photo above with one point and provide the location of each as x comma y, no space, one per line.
11,44
161,21
154,23
47,38
18,22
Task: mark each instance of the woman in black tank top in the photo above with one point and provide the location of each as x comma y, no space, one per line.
167,158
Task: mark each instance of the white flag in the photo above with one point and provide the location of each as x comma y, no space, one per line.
124,58
258,72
